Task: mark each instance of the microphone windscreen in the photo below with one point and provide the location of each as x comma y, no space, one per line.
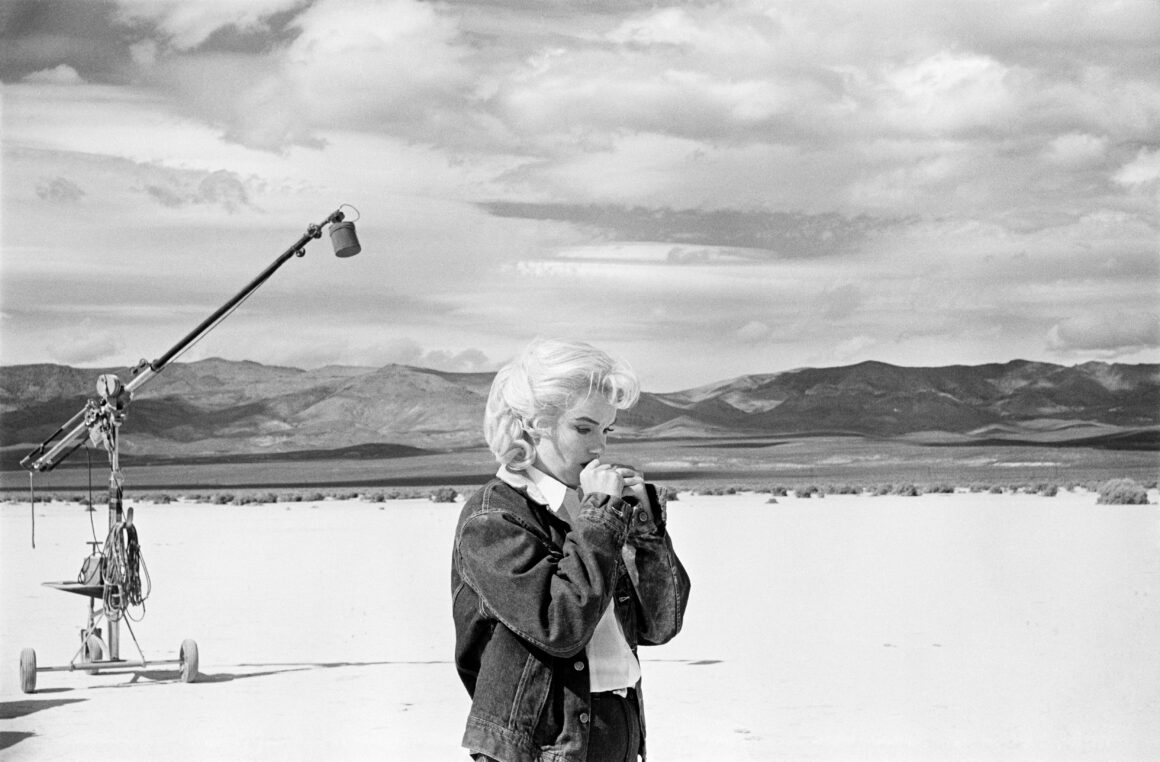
344,239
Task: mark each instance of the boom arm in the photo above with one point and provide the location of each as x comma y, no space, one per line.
113,397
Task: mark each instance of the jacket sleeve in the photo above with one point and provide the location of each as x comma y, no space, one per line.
548,595
661,582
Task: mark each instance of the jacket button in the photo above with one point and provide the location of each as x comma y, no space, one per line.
642,517
578,666
584,718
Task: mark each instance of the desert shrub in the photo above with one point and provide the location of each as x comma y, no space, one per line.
729,490
939,489
882,489
443,495
843,489
906,490
1122,492
1047,490
996,489
313,497
808,491
779,491
399,494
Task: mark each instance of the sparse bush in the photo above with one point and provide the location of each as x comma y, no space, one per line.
779,491
808,491
443,495
223,498
1122,492
996,490
906,490
1047,490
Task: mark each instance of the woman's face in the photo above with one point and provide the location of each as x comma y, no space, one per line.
578,437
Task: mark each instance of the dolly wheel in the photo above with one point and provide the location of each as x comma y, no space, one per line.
188,661
28,670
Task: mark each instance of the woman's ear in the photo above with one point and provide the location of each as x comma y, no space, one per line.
536,429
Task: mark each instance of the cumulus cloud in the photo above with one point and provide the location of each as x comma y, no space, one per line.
1142,170
85,345
175,189
410,352
62,74
1111,333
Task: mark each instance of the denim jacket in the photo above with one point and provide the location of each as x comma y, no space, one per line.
527,593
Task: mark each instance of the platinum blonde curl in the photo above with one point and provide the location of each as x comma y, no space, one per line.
533,390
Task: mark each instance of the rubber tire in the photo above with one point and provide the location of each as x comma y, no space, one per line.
188,661
28,671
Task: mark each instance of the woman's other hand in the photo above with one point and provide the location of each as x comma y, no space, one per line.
598,477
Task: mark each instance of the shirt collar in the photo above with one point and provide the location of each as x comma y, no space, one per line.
541,487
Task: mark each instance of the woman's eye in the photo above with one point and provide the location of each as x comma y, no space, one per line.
583,430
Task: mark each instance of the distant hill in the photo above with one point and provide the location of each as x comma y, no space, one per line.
216,407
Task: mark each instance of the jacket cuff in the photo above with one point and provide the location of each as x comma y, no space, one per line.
606,510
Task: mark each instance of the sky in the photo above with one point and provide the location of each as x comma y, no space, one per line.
706,189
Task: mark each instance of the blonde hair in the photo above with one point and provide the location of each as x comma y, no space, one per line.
535,388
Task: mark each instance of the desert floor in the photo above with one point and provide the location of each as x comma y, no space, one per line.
942,627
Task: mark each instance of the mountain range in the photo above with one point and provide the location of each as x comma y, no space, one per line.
218,407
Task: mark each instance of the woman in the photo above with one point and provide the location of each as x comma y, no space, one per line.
562,565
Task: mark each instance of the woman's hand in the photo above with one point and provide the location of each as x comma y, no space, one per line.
598,477
633,483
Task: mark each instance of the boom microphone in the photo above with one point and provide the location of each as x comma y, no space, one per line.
344,239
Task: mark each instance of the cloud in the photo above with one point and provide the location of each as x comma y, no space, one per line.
59,190
176,189
410,352
1111,333
786,234
63,74
949,93
1075,149
85,345
186,25
753,332
1143,170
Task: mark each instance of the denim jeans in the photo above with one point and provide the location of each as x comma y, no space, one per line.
615,730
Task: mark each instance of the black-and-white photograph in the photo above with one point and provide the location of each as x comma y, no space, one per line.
560,381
